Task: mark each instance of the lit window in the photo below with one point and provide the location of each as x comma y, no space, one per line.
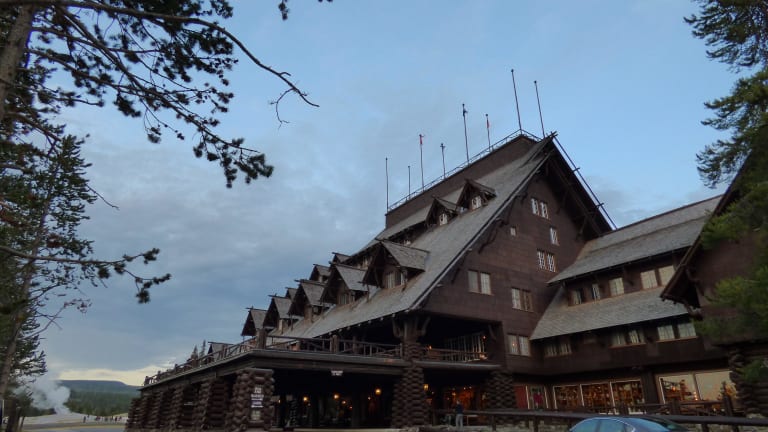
665,274
519,345
686,330
477,202
514,344
479,282
513,231
617,286
595,291
648,278
442,219
553,236
666,332
576,297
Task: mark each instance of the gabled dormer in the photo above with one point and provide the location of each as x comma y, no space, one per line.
320,273
253,322
344,285
339,258
475,195
277,317
441,212
394,264
306,303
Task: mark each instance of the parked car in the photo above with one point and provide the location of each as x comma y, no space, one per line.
627,424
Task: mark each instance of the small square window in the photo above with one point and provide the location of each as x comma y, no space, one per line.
513,231
479,282
535,209
544,210
576,297
442,219
596,292
686,330
477,202
666,332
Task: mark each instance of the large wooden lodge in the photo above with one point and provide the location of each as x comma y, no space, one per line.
503,285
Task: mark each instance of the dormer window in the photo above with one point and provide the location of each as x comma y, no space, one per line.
394,278
442,219
477,202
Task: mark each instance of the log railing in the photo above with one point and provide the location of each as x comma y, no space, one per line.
332,345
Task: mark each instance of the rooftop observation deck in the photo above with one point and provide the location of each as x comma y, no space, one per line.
333,346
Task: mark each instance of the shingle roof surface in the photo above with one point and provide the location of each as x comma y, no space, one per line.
313,290
561,319
660,234
445,245
406,256
257,315
282,304
352,276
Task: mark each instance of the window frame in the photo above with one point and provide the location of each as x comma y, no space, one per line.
553,237
616,289
479,283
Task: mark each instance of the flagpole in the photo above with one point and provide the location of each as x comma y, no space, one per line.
517,106
539,102
421,158
442,149
488,128
466,141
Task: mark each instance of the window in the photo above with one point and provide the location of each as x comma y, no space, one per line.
442,219
665,274
625,337
617,286
686,330
617,338
648,279
479,282
539,208
394,278
596,292
576,297
521,299
555,348
535,207
666,332
513,231
542,257
551,266
389,280
553,236
477,202
519,345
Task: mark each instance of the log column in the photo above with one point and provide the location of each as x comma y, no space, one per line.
238,416
409,404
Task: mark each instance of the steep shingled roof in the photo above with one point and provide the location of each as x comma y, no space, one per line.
406,256
561,319
657,235
446,245
313,290
254,321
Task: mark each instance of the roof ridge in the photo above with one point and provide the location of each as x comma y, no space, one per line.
668,212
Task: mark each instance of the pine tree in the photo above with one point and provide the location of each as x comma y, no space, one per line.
737,33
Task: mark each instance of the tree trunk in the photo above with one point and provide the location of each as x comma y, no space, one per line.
12,55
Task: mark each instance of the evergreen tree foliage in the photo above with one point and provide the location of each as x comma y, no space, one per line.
736,31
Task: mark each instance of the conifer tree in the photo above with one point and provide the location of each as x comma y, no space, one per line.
736,31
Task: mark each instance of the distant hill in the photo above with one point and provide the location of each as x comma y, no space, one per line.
99,398
100,386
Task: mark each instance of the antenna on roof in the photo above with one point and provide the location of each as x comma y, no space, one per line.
517,106
442,149
409,181
488,128
421,158
466,141
386,172
535,84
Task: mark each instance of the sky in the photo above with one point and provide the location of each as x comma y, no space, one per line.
622,83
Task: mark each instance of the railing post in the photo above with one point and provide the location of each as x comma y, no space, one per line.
334,344
493,422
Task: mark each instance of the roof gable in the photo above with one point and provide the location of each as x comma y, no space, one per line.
253,322
308,293
342,277
404,257
471,189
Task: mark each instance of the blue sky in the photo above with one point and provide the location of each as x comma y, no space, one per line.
623,84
